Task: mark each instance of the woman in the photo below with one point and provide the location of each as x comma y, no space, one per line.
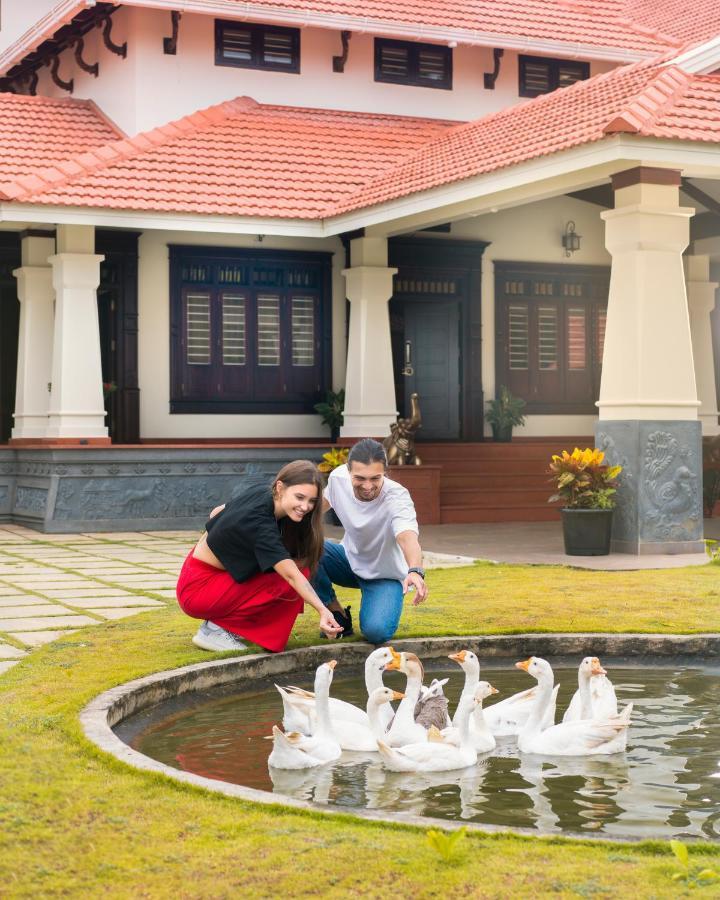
247,575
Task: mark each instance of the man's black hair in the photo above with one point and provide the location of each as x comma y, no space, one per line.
367,451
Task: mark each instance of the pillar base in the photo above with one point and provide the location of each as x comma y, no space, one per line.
659,501
371,425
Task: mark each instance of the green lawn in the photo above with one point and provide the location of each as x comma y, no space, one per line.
76,823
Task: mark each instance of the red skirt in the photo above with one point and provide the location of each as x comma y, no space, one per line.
262,609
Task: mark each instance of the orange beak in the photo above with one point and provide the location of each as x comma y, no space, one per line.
494,690
458,657
332,663
524,665
596,668
395,662
397,695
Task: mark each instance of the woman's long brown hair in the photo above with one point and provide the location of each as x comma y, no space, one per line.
303,539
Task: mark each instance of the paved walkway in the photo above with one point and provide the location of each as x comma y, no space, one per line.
53,584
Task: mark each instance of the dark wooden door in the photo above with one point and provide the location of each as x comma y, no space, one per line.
431,367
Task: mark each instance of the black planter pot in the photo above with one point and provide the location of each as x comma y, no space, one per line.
502,434
587,531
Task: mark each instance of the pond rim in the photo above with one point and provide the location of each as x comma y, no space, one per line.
101,715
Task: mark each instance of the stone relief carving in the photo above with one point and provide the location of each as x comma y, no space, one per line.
623,524
4,494
30,498
671,488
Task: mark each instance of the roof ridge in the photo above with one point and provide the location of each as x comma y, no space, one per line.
647,106
123,148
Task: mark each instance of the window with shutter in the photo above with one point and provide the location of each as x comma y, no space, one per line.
411,63
540,75
251,330
252,46
549,340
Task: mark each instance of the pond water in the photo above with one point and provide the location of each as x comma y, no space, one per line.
663,786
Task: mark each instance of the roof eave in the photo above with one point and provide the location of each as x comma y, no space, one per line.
701,59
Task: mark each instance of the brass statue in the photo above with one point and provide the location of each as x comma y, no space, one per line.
400,443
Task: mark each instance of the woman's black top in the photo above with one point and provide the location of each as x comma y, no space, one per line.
246,536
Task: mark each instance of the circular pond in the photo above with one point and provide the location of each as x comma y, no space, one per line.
664,786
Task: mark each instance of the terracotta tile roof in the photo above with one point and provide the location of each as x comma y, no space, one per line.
246,159
37,131
239,158
647,100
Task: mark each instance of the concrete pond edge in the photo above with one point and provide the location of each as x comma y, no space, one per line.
105,712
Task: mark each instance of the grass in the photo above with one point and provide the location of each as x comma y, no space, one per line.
77,823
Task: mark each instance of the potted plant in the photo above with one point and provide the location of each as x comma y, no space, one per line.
504,413
586,485
331,410
336,456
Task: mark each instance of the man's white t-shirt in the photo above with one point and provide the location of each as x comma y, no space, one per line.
371,526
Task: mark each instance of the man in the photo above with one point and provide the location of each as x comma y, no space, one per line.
380,552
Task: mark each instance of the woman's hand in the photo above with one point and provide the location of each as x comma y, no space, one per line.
328,625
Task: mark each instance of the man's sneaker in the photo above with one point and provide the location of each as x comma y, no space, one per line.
344,619
212,637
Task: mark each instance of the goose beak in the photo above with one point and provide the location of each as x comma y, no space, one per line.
494,690
524,665
458,657
596,668
397,695
395,662
331,663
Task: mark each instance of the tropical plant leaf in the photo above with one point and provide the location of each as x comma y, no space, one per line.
680,851
445,843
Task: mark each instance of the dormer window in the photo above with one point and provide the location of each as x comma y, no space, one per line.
407,62
252,46
540,75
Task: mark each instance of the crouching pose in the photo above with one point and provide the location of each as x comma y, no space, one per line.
247,576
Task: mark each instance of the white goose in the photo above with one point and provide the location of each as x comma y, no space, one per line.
584,737
300,751
353,736
483,739
435,756
299,704
595,697
404,729
509,715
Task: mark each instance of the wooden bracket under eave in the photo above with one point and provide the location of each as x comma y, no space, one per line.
54,64
339,61
91,68
107,24
170,43
489,78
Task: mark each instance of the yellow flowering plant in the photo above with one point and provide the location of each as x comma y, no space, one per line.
336,456
584,480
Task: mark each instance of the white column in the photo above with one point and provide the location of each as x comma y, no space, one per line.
76,400
648,370
701,302
369,384
36,296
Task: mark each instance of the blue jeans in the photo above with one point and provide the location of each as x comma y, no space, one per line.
381,600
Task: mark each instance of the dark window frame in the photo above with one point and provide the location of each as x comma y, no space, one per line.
414,49
257,32
553,65
295,394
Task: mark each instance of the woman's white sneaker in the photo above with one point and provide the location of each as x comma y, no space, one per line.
214,638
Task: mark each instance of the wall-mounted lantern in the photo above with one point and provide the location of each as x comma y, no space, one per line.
571,239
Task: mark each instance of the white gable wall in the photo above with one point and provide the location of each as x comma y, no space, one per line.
150,88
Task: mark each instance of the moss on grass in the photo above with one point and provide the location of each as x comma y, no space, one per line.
77,823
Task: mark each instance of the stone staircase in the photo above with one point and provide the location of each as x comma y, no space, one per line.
493,482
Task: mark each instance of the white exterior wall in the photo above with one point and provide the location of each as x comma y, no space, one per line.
532,233
18,16
149,88
154,344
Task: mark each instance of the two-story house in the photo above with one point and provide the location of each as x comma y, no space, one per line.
223,210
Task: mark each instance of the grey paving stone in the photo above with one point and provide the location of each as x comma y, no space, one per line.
93,603
38,638
122,613
23,612
9,652
4,666
97,590
22,600
41,622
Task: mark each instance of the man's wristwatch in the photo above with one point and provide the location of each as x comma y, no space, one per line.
418,571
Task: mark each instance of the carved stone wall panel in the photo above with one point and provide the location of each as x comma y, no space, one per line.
30,499
659,502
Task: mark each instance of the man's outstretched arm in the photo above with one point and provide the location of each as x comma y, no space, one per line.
410,546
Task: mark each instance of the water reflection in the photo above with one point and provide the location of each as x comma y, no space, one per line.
664,786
